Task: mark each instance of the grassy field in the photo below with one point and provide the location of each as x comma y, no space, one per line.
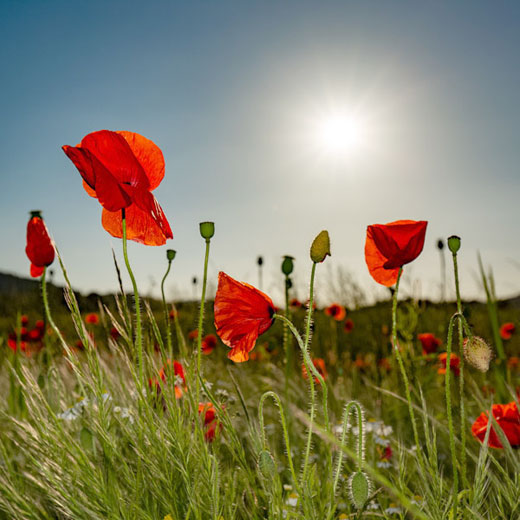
82,436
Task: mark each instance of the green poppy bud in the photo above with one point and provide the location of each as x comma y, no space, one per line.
266,464
320,247
287,265
440,244
454,243
359,489
207,229
170,254
477,353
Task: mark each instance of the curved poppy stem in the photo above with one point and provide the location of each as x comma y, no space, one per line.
138,332
403,371
201,317
166,315
48,311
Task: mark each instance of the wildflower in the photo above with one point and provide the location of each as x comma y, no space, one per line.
209,342
193,334
242,313
172,314
24,320
319,364
295,303
92,318
348,327
384,365
393,509
390,246
477,353
121,169
211,423
166,371
39,249
336,311
454,363
507,330
114,334
513,363
507,417
385,454
429,343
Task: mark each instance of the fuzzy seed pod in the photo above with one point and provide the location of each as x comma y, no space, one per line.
359,488
477,353
320,248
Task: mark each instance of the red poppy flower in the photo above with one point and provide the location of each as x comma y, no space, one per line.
390,246
208,344
295,303
39,249
386,453
319,364
211,423
40,324
507,417
513,363
193,334
336,311
24,319
114,333
507,330
172,314
429,343
121,169
178,373
92,318
348,326
454,363
242,313
384,364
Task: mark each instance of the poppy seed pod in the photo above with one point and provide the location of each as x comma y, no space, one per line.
320,247
477,353
170,254
440,244
287,265
207,229
454,243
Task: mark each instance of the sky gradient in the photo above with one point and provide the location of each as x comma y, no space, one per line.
232,92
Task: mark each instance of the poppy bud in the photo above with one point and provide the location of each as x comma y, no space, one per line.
359,489
320,247
260,260
477,353
287,265
440,244
454,243
266,465
207,229
170,254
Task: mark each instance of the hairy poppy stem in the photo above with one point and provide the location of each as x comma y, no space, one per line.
138,332
403,371
447,376
166,315
461,374
201,317
287,340
47,309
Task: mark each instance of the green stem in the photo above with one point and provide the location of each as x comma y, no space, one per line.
201,317
403,371
138,332
48,311
284,429
166,315
447,377
461,376
287,340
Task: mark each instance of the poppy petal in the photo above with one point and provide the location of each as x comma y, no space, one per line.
148,203
149,156
36,271
375,262
140,226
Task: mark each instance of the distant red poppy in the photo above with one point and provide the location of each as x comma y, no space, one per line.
295,303
40,324
386,453
121,169
507,330
193,334
319,364
242,313
211,423
24,319
166,370
209,342
429,343
507,417
172,314
39,249
390,246
384,364
454,363
114,333
348,326
92,318
513,363
336,311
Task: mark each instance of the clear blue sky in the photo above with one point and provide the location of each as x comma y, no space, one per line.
231,91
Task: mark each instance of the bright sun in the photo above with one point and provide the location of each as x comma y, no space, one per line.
339,134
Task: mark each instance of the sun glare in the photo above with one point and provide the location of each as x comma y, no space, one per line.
338,134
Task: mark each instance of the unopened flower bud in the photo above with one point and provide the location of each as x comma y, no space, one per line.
287,265
207,229
320,247
260,260
440,244
170,254
477,353
454,243
36,213
359,489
